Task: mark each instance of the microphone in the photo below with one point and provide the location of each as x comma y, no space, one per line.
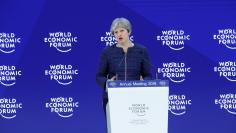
150,64
122,60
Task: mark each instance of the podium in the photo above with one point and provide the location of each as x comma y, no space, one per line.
137,106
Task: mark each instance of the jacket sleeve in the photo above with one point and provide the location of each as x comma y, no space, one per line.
101,76
146,66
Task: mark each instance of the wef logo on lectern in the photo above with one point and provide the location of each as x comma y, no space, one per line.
139,109
113,84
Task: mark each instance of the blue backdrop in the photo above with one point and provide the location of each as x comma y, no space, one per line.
190,43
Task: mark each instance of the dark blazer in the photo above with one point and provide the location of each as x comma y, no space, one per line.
126,66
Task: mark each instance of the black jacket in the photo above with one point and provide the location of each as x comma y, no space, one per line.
126,66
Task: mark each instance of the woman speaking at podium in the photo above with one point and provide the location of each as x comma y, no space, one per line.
125,60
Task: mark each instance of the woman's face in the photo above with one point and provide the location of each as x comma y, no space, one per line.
122,35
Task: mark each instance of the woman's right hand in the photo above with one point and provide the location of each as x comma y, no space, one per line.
113,78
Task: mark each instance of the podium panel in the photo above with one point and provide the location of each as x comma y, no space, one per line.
137,106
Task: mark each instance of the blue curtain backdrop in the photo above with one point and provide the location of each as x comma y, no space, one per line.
190,42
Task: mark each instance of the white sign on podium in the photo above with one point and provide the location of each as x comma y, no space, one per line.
137,106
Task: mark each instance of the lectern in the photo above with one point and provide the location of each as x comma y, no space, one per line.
137,106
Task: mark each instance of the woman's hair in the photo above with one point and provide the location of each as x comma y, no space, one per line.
120,23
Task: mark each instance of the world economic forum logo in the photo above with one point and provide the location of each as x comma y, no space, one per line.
8,42
112,84
63,106
227,102
178,104
62,41
226,37
139,109
9,107
175,71
174,39
163,83
8,75
62,73
226,69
